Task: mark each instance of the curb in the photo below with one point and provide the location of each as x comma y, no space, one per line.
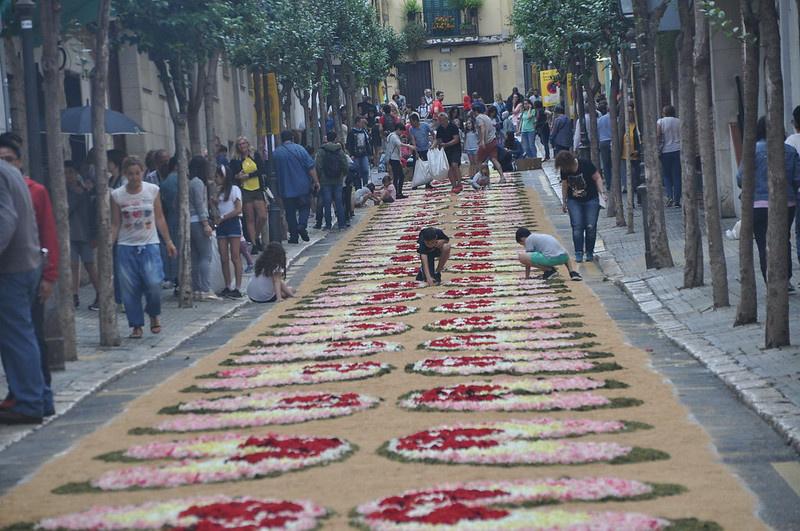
137,365
756,392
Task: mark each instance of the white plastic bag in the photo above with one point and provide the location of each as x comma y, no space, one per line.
216,281
439,166
422,173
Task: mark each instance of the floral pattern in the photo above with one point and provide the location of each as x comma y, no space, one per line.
490,504
264,409
510,321
509,304
331,332
516,363
227,457
211,513
512,442
386,297
310,351
362,313
512,340
291,374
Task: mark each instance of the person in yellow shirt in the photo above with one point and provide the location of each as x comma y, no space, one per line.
249,168
630,150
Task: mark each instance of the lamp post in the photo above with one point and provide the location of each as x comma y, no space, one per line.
24,10
274,210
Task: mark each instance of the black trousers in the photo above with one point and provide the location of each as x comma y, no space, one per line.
397,176
760,223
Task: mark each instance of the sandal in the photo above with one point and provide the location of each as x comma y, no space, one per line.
155,328
137,333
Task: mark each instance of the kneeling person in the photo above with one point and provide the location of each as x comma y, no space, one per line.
433,243
543,252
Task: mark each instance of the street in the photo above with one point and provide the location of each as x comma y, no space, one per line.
624,401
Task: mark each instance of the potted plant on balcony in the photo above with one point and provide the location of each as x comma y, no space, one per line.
412,9
469,7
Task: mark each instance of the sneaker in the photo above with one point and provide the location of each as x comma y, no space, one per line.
76,301
589,257
208,296
304,235
224,293
548,274
95,307
579,257
234,294
420,276
437,278
574,275
249,268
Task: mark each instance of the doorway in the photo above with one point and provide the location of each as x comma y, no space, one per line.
480,78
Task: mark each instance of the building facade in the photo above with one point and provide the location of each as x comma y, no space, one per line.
463,51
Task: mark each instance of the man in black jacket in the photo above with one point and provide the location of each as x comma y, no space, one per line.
359,146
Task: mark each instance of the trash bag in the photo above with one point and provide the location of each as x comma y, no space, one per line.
422,173
439,167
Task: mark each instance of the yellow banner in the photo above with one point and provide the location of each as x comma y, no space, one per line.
274,104
549,87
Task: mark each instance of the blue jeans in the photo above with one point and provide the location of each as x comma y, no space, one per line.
297,211
583,218
671,167
362,165
140,274
529,144
332,193
19,349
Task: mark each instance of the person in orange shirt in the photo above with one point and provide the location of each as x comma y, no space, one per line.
438,104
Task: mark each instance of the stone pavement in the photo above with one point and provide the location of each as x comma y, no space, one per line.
768,380
98,366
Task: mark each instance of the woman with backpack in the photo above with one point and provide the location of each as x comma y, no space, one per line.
332,165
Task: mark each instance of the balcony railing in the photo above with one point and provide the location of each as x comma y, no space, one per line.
449,23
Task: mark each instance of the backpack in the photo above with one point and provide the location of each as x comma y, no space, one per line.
331,164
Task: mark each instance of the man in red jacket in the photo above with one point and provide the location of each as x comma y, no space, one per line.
48,239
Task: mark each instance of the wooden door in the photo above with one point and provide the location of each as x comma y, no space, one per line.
414,79
479,78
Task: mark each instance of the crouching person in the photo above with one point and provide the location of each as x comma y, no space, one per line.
543,252
433,244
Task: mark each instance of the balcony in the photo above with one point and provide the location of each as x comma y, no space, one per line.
443,23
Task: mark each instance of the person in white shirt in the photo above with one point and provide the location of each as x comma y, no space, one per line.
229,231
136,220
365,194
269,282
794,139
668,132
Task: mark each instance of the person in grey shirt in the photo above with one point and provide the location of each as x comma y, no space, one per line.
544,252
668,132
20,269
200,230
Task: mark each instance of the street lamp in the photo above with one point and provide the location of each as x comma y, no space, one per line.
24,10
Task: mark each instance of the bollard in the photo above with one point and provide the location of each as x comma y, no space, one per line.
641,192
275,215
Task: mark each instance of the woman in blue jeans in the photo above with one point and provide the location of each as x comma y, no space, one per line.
135,215
581,188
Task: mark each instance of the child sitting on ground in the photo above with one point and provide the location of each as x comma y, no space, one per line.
389,192
268,284
481,179
367,193
433,243
543,252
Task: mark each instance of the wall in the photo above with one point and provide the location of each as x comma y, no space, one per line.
507,59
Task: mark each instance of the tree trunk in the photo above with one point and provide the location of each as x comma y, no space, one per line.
314,126
16,93
212,141
747,310
261,119
337,102
630,142
777,326
109,332
707,142
616,207
197,89
171,79
693,239
193,126
53,86
646,27
591,109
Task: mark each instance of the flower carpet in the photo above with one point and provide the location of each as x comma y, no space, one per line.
522,392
